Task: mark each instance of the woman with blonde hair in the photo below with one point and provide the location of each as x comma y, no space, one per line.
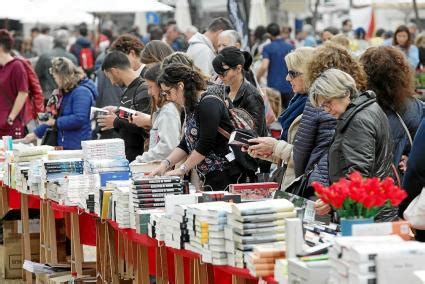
78,94
274,150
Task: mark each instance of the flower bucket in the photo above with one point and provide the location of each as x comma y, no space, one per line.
347,224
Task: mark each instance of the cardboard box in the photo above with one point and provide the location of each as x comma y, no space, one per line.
11,252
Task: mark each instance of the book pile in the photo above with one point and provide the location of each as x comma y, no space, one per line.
120,204
142,169
144,218
25,153
154,219
255,223
21,176
34,177
254,191
206,230
261,262
102,197
103,149
106,165
317,232
353,259
150,192
64,154
73,190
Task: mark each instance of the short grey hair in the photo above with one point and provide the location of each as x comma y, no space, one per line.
191,29
332,83
61,37
234,36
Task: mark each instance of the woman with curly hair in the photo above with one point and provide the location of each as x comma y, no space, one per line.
391,78
202,144
154,52
402,39
317,127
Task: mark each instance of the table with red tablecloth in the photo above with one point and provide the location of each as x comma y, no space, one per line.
179,265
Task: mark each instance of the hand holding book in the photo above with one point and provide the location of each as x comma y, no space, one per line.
141,119
261,147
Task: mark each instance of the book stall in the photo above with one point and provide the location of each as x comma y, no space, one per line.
90,216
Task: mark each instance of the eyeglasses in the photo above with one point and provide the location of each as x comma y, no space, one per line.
326,104
166,92
294,74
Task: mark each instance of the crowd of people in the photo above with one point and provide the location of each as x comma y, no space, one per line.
342,103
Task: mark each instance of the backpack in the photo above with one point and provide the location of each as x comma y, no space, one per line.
86,59
35,102
241,120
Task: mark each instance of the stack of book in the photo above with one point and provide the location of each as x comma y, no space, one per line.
34,177
150,192
107,165
254,223
73,190
103,149
21,176
353,259
120,204
261,262
144,219
206,230
254,191
140,170
103,196
65,154
154,219
25,153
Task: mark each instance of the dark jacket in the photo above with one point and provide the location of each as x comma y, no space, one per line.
414,178
43,65
311,144
135,97
249,98
362,141
73,124
412,117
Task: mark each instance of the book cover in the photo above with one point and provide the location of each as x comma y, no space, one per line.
157,185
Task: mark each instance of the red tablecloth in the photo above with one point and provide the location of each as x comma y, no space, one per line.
14,199
87,222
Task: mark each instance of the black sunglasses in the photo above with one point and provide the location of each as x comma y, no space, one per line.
294,74
224,71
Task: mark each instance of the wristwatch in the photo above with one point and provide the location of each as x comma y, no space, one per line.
166,162
184,169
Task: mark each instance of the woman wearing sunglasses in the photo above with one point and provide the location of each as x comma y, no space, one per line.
164,123
203,146
279,151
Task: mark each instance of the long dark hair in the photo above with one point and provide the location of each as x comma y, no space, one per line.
389,75
193,82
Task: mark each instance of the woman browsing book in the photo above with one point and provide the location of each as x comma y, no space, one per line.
164,123
204,147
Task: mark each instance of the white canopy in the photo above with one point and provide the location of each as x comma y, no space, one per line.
121,6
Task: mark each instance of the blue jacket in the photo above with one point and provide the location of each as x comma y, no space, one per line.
412,117
74,122
312,141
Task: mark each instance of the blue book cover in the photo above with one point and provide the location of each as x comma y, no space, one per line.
104,177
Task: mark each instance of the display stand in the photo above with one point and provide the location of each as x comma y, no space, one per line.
76,247
26,241
4,204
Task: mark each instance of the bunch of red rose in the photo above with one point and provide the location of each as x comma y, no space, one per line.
358,197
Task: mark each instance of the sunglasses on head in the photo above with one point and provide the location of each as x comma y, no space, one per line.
294,74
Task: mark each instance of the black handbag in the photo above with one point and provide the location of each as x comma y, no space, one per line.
50,137
300,185
279,173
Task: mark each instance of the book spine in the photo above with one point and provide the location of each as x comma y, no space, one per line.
155,181
155,186
142,191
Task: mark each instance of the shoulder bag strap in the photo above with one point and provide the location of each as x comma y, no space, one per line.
405,128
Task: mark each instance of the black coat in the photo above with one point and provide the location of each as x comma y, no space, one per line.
249,98
135,97
362,141
311,144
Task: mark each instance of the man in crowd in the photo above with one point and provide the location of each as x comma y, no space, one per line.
42,42
14,88
171,37
117,68
60,42
273,62
202,47
83,50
